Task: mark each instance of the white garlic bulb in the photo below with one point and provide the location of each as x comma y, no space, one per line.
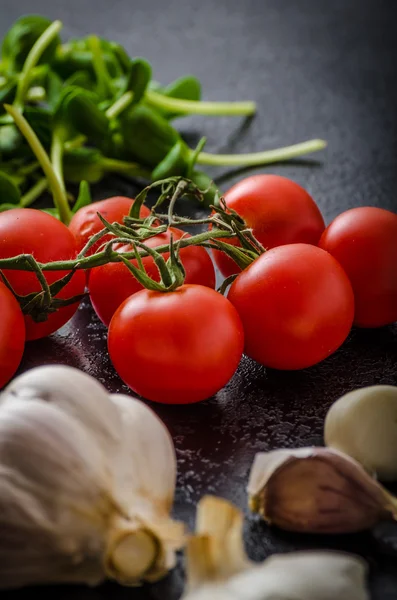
86,484
363,424
218,567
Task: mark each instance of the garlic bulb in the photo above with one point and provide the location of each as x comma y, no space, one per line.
317,490
363,424
219,569
86,484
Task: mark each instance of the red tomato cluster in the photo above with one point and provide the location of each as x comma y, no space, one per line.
290,309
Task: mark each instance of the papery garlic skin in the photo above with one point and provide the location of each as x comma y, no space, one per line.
86,484
74,392
363,424
314,575
317,490
145,479
218,568
55,502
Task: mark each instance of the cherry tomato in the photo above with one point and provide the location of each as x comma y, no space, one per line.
113,283
278,210
296,304
364,241
30,231
12,335
85,223
176,347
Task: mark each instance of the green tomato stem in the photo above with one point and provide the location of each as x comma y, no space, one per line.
261,158
32,59
121,104
18,263
190,107
35,192
101,72
59,194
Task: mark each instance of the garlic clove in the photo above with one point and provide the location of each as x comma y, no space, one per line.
310,575
218,568
216,552
363,424
145,478
54,498
317,490
76,393
147,461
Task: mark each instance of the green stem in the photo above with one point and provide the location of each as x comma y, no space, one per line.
35,192
121,166
77,142
121,104
32,59
261,158
59,195
18,263
57,158
188,107
101,72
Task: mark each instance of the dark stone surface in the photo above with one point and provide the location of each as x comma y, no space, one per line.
317,69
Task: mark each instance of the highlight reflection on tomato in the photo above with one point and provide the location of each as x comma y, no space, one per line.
176,347
296,304
30,231
278,210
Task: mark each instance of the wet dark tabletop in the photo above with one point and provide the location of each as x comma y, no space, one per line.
316,69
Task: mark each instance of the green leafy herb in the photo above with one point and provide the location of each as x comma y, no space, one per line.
73,112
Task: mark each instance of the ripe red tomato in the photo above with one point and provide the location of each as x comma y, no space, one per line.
278,210
177,347
85,223
12,335
296,304
364,241
113,283
30,231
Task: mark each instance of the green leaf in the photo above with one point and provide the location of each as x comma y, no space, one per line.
10,140
20,38
184,88
206,185
83,163
76,55
54,89
7,92
122,56
174,163
40,119
82,79
139,78
148,137
84,198
9,192
77,112
52,211
6,206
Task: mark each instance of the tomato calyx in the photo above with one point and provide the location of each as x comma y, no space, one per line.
38,305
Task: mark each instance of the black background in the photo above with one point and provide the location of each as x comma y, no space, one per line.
316,68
